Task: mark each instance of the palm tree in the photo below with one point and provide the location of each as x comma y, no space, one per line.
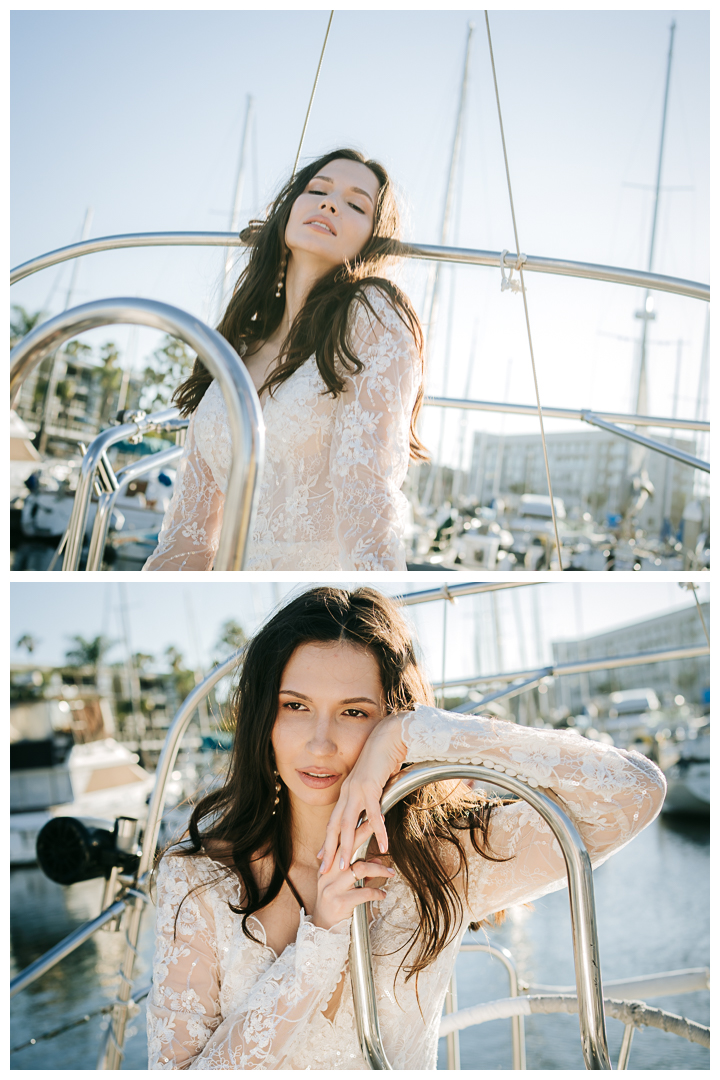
27,641
88,653
22,323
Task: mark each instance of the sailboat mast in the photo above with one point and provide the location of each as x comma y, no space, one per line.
235,214
434,280
49,406
647,314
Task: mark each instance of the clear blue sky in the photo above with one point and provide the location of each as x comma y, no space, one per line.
161,614
139,115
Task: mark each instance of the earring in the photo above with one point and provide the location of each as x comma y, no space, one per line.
281,279
277,790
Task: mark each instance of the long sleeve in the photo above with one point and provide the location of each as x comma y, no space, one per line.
191,526
186,1025
370,449
611,795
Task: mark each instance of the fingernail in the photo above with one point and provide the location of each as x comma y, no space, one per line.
383,848
319,853
322,868
391,870
342,864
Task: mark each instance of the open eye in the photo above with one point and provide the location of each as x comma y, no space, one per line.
356,713
294,706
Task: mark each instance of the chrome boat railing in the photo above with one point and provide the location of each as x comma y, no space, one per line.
582,909
467,256
247,429
607,421
107,499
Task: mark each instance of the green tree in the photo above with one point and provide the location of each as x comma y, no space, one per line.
110,377
22,322
87,653
27,641
183,678
164,371
232,637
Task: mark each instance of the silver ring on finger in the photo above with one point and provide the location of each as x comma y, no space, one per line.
352,871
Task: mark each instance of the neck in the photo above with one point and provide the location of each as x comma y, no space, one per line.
309,825
303,271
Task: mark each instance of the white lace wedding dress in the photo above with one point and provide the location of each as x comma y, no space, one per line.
330,494
221,1001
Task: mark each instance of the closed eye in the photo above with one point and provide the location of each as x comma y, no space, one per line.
353,205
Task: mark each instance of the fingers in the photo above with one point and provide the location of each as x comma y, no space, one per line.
330,857
371,868
349,842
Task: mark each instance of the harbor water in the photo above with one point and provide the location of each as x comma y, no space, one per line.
653,914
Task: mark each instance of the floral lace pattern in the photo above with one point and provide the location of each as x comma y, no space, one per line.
329,496
221,1001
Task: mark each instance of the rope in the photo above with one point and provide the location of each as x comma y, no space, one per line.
312,96
518,267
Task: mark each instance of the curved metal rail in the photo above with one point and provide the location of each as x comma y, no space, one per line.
469,256
582,910
247,429
107,500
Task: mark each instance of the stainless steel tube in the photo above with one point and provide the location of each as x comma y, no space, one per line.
450,592
652,444
113,1048
94,455
517,1022
247,430
579,667
65,947
107,500
582,909
567,414
468,256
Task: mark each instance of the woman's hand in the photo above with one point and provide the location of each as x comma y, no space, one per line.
337,895
380,758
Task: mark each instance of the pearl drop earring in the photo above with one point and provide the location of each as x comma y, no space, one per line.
281,279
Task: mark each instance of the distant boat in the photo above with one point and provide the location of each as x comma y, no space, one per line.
688,778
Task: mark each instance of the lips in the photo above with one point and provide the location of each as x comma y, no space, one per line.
320,222
313,781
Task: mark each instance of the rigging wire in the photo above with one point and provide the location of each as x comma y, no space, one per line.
524,295
312,95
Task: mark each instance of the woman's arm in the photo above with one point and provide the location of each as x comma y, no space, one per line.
611,794
191,526
186,1028
370,449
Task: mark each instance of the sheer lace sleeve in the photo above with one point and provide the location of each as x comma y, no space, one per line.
191,526
370,450
186,1025
611,795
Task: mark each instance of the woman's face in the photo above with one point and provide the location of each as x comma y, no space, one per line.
333,219
330,700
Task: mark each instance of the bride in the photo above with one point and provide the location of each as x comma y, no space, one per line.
335,351
253,910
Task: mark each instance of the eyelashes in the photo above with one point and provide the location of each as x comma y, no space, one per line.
315,192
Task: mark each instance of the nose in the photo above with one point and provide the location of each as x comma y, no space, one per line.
321,742
327,204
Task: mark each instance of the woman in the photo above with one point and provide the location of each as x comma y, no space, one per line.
253,913
335,352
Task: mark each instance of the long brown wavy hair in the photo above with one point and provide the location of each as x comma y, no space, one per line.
323,324
238,816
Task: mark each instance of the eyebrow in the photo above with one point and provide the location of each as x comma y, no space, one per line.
345,701
360,191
